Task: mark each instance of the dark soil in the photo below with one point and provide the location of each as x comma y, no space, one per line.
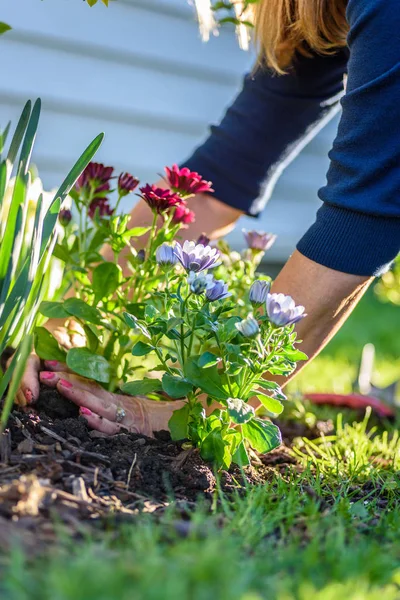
54,469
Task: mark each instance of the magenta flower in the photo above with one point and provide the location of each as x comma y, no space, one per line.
159,200
187,182
96,177
282,311
196,257
127,184
259,240
183,215
65,217
101,206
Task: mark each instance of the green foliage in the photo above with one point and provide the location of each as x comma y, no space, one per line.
26,240
4,27
158,317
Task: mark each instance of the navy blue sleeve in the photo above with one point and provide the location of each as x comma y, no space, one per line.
268,124
358,227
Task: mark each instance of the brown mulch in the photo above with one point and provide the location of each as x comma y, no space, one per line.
57,475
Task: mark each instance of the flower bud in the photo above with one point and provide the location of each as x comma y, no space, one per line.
258,292
165,255
259,240
127,184
200,283
203,239
65,217
248,327
141,256
218,291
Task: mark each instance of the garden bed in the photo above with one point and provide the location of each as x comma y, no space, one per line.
59,474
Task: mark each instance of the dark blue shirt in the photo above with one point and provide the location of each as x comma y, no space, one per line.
357,229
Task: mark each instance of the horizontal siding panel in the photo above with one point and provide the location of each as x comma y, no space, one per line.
131,29
120,87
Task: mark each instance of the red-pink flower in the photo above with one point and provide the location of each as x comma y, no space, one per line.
102,206
95,179
159,200
182,214
187,182
127,184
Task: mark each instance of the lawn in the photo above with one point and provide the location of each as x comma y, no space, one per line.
327,529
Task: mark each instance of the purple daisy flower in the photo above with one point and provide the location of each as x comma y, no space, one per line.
196,257
218,291
282,311
259,291
259,240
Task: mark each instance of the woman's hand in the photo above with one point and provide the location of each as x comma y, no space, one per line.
67,337
106,411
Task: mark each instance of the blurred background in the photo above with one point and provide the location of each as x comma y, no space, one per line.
139,71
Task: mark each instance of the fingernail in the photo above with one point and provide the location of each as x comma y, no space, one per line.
28,395
52,363
85,411
65,383
47,375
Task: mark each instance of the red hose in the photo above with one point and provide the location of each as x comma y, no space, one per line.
355,401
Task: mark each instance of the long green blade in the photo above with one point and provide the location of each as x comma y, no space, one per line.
18,371
3,137
19,135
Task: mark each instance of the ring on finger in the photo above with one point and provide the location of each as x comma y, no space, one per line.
120,414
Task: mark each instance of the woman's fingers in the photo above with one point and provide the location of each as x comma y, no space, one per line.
55,365
28,392
100,423
78,395
51,379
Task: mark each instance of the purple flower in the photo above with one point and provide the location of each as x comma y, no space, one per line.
127,184
187,182
65,217
165,255
218,291
200,282
101,206
95,177
248,327
196,257
282,311
259,292
259,240
158,199
203,239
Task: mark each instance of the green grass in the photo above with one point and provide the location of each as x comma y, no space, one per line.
329,532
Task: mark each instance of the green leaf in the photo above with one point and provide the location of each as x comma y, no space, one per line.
134,324
294,355
271,386
239,411
53,310
213,448
78,308
271,404
142,387
135,309
178,423
209,380
4,27
141,349
61,253
90,365
136,232
91,337
241,457
176,387
106,279
150,312
16,369
47,347
207,359
263,436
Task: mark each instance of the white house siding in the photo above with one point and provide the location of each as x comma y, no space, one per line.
139,72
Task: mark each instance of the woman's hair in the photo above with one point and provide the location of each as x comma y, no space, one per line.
283,27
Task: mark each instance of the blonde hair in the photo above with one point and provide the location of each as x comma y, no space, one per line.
284,27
